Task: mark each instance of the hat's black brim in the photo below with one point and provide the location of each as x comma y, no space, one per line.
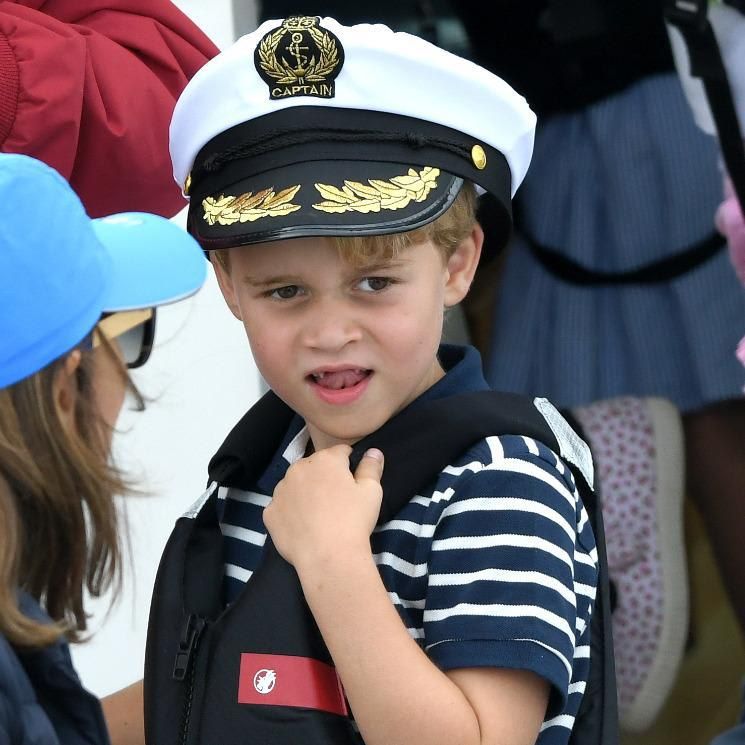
317,171
322,198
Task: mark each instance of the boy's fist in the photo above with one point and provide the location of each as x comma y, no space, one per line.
321,511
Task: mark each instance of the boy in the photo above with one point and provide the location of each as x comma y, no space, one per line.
330,172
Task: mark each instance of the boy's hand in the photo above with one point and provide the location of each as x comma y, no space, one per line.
321,511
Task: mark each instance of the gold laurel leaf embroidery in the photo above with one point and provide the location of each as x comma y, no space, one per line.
252,215
317,71
249,207
360,189
366,205
386,188
227,217
288,76
379,195
279,211
428,186
395,203
406,181
332,194
238,202
331,207
281,197
267,55
246,201
282,209
214,207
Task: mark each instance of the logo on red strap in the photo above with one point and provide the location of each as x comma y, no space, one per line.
284,680
264,681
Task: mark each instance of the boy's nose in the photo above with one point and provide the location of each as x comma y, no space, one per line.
330,328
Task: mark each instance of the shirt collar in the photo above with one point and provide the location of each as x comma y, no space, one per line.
463,374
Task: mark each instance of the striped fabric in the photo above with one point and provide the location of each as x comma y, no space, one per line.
495,565
626,182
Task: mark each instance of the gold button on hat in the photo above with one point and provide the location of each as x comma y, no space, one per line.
478,156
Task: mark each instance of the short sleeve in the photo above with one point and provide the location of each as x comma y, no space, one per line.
512,569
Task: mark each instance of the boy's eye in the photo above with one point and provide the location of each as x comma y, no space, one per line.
374,284
285,293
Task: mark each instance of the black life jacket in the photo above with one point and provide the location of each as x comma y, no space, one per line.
208,679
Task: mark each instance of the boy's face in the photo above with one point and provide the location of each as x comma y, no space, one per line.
345,347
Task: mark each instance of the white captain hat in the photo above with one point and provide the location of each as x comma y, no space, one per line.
307,127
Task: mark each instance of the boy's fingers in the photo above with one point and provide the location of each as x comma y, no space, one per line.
339,452
371,465
335,452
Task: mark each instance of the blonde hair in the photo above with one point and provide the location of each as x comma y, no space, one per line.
58,522
446,232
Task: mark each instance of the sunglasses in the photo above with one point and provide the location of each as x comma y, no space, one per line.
132,331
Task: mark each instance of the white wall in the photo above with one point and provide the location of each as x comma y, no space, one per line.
201,378
214,17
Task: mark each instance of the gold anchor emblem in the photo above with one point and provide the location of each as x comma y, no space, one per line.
296,49
300,58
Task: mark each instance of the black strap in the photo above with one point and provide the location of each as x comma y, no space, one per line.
415,443
663,270
690,17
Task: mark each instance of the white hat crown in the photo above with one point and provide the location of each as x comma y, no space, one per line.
382,70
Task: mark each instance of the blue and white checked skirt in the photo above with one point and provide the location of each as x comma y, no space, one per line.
626,182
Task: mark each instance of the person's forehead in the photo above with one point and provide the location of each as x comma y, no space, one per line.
274,252
318,254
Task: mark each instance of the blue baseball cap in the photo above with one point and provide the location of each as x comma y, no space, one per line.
60,270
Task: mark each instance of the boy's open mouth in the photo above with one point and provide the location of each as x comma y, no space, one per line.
338,379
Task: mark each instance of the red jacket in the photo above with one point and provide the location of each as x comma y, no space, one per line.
89,86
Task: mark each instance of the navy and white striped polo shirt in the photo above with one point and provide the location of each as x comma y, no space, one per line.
493,565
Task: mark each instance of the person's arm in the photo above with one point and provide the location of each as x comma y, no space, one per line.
123,711
396,693
89,86
320,519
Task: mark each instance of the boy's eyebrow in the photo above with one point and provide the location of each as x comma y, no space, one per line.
383,265
280,279
287,279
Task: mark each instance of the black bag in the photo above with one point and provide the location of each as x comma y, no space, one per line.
691,19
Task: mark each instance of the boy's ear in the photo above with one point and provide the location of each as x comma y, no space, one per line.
461,266
225,282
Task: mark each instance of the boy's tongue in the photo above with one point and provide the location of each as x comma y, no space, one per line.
341,379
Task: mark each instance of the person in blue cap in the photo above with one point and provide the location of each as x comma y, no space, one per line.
77,309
